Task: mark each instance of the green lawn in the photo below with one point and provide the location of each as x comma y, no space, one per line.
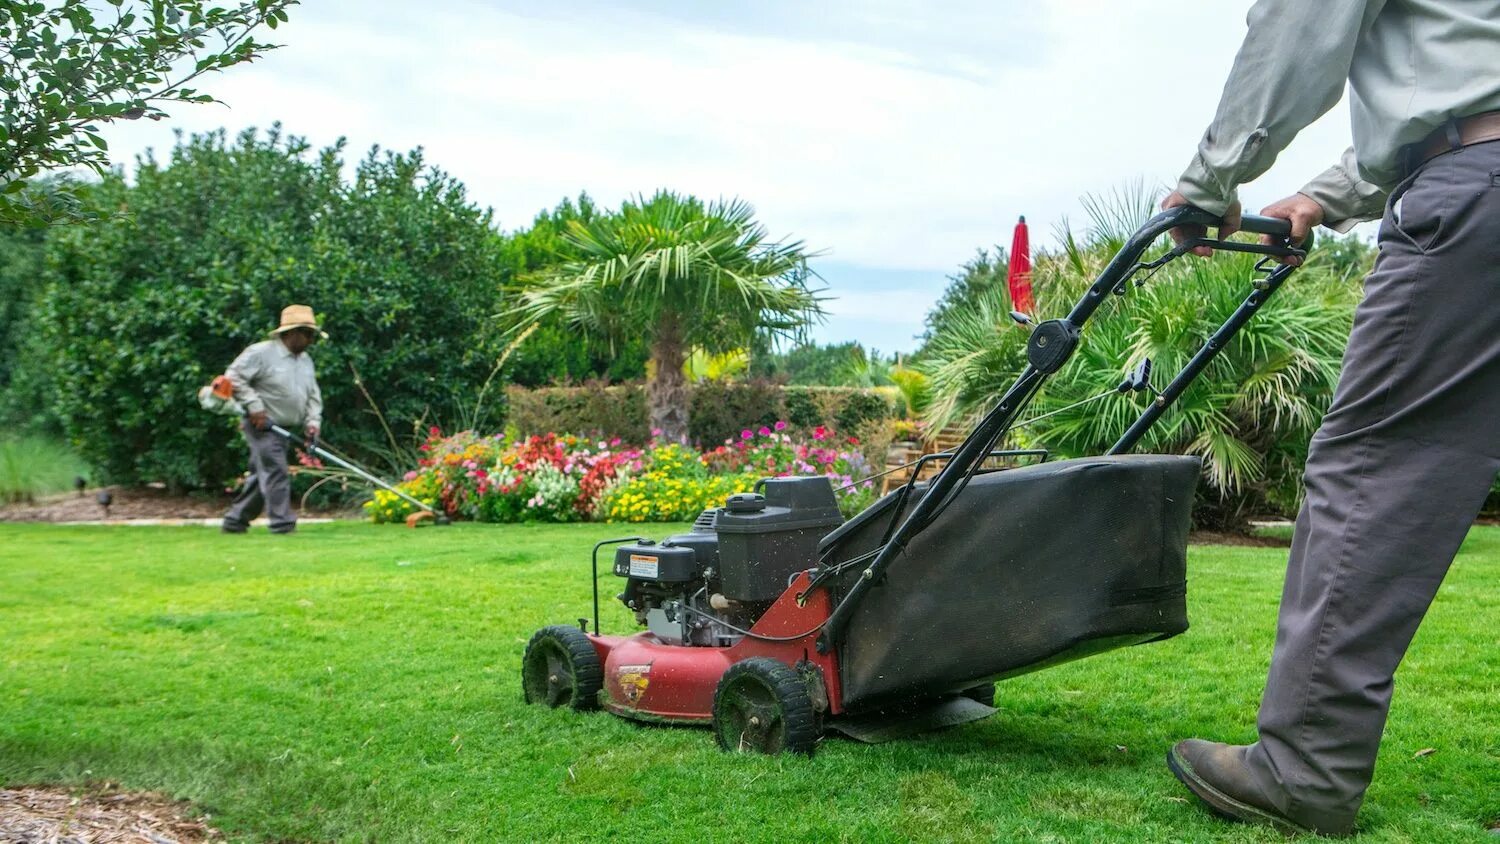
358,683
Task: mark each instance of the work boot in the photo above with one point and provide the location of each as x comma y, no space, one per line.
232,527
1217,774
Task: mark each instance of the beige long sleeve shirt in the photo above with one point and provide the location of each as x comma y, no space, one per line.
267,376
1410,66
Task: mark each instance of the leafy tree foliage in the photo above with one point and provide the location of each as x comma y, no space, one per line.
976,282
807,364
142,309
20,273
67,66
553,353
681,273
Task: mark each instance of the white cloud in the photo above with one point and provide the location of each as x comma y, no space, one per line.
890,135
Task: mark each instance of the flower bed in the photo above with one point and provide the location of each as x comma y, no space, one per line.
562,478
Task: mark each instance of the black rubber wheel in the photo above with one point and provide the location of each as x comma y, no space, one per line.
561,668
762,706
984,693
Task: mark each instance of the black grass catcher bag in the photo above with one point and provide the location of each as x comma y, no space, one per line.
1025,568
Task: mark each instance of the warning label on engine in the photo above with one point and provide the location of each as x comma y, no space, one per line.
643,566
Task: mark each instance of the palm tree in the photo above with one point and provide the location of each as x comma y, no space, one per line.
684,274
1249,415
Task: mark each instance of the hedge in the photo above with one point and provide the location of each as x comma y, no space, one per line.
720,410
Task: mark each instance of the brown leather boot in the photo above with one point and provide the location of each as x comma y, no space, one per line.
1217,774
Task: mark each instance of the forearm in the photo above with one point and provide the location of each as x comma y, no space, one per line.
1291,69
315,407
1346,198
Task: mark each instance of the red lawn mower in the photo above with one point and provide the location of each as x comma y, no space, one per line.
774,619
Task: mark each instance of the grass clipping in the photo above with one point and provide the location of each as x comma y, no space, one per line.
39,814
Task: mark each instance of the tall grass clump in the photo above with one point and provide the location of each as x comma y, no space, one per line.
1249,415
31,467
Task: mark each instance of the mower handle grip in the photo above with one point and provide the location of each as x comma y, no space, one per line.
1189,215
1274,226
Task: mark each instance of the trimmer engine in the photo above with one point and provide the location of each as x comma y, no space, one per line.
707,586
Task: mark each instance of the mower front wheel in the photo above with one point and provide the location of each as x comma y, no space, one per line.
762,706
561,668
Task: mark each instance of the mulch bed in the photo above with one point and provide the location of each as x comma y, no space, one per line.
128,503
105,815
1248,540
133,503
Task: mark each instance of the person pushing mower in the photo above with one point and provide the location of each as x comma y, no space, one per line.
275,383
1407,452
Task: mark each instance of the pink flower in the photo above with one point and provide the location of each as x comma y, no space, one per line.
764,431
614,442
746,434
434,431
781,424
820,433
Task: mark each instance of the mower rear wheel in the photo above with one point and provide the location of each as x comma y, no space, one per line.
561,668
984,693
762,706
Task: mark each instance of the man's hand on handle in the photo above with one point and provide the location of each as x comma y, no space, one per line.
259,421
1303,212
312,430
1181,233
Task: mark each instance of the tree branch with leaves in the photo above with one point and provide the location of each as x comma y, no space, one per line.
67,67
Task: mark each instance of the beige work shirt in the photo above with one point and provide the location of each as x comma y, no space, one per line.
1410,65
267,376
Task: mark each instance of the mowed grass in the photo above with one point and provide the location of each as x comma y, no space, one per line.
359,683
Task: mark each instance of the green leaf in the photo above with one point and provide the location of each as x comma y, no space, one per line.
96,140
14,186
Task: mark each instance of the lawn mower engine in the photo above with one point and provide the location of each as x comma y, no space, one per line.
708,586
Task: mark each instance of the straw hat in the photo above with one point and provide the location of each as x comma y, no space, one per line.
298,316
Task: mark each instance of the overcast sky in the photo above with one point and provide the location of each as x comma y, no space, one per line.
895,138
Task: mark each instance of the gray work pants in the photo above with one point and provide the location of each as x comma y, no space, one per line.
269,484
1395,476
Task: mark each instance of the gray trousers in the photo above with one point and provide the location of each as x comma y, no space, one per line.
1395,476
269,485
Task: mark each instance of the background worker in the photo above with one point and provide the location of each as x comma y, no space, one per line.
274,381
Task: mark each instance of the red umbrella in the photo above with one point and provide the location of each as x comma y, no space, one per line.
1018,277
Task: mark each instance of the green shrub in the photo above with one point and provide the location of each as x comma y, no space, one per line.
141,310
860,408
802,409
31,467
720,410
594,410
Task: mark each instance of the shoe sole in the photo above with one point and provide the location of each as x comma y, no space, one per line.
1225,806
